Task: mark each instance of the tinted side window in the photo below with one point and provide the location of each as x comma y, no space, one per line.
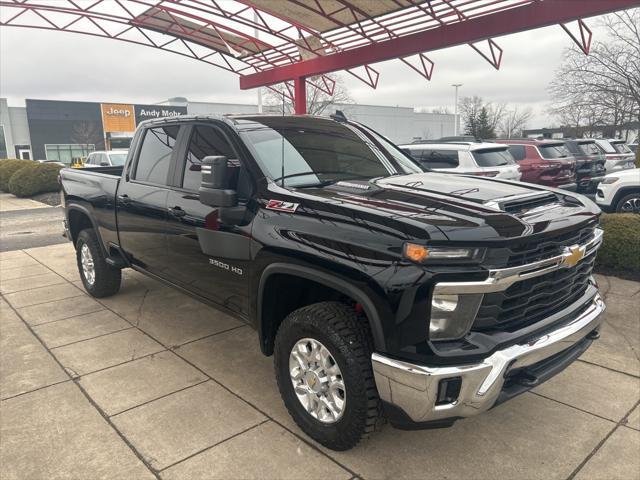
518,152
155,155
492,157
439,158
204,142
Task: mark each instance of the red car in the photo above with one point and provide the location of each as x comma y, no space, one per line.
545,162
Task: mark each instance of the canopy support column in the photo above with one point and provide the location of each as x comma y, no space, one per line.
300,95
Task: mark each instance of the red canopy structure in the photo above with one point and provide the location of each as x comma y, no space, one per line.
295,42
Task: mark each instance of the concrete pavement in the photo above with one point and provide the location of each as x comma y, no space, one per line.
153,384
26,223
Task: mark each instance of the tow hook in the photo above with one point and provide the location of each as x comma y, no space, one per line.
593,335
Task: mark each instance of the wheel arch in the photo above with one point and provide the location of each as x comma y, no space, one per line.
80,218
267,326
623,192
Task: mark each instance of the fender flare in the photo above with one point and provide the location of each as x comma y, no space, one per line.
328,280
622,192
84,210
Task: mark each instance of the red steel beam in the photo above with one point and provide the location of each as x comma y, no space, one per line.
528,17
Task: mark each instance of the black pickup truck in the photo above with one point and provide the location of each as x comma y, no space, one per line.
380,289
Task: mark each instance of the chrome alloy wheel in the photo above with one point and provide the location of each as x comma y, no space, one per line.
317,380
631,206
88,269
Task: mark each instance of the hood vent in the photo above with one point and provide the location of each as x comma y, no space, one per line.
522,203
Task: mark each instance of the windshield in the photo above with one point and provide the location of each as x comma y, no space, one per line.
315,151
117,159
621,147
494,157
553,151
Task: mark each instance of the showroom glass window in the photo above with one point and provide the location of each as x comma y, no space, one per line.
205,141
66,153
155,154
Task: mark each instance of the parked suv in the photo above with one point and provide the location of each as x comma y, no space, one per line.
482,159
377,287
545,162
617,155
620,192
589,163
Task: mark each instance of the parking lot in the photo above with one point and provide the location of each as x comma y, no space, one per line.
152,383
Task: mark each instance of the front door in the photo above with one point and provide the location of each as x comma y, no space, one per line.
142,200
209,257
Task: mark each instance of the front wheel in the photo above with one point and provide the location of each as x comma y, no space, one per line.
98,277
323,368
629,204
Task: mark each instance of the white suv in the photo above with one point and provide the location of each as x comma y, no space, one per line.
618,156
484,159
111,158
620,192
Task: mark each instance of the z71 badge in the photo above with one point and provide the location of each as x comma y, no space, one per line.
281,206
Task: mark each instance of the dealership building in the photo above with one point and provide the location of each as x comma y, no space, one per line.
65,130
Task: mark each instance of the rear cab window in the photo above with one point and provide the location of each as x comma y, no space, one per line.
492,157
155,154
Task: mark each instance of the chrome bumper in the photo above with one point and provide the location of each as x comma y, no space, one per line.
414,388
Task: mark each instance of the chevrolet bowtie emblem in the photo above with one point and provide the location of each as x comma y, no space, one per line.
572,255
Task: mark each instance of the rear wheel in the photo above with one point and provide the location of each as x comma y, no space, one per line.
629,203
98,277
323,368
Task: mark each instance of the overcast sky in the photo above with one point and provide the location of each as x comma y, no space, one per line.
68,66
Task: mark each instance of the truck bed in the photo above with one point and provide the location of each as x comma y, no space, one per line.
93,190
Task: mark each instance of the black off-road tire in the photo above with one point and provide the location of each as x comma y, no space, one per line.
107,278
348,339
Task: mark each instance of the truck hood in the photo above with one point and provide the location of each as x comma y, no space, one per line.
435,206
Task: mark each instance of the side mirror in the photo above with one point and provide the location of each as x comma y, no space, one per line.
213,191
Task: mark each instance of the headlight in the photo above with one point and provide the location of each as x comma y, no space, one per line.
427,254
452,315
607,180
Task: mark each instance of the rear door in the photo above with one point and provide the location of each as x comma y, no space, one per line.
142,199
208,257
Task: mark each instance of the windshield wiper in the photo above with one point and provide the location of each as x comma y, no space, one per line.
352,176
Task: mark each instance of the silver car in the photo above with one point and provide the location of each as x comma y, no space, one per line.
483,159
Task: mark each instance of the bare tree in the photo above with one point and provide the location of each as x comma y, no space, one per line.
318,101
602,88
514,121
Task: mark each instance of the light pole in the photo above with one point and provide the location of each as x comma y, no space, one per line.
455,110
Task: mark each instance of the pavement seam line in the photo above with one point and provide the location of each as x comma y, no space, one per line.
90,338
601,443
266,420
609,368
101,308
157,398
27,289
34,390
91,401
572,406
121,363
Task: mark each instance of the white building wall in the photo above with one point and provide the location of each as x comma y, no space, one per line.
16,128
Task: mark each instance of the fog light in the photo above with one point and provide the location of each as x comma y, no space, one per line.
452,315
448,390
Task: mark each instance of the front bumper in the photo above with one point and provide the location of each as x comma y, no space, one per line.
411,391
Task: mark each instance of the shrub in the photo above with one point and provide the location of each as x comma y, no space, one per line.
621,247
35,178
7,169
